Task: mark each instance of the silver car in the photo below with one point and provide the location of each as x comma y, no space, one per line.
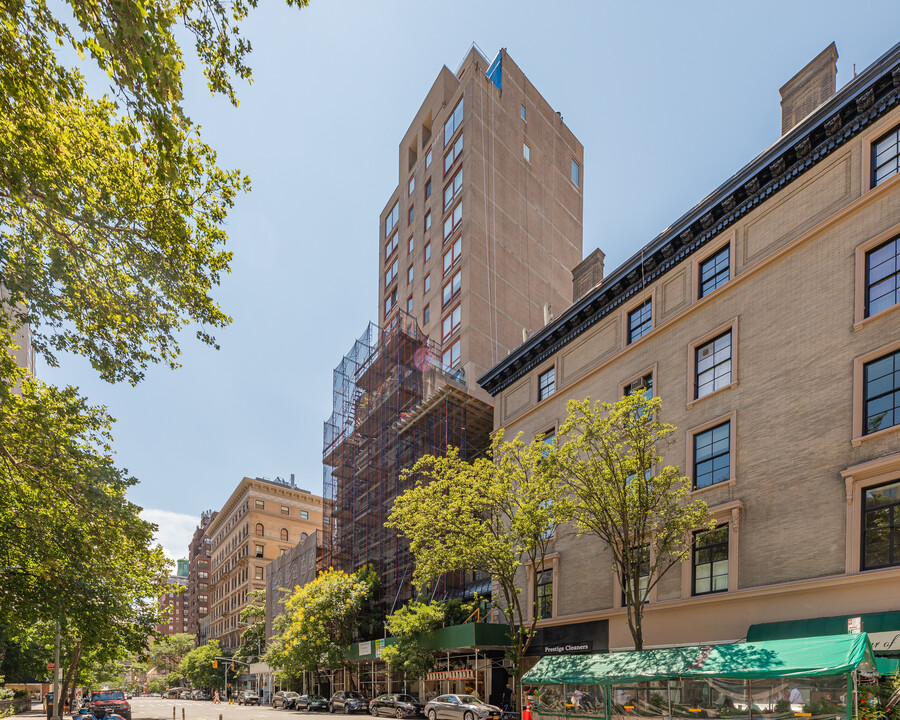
461,707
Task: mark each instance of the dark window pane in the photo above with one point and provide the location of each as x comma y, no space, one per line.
715,271
885,156
882,277
640,321
881,401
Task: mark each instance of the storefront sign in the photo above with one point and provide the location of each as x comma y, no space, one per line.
451,675
365,648
883,642
570,648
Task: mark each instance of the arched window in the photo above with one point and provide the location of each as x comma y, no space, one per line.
284,534
303,536
260,530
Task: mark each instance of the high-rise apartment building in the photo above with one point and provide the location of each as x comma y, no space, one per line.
477,245
199,558
174,605
260,521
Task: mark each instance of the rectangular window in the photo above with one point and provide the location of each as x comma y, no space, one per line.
881,393
410,245
261,504
451,322
454,154
453,122
426,285
427,245
428,222
711,561
411,215
886,156
428,189
715,271
641,383
391,272
545,594
882,276
451,355
409,305
259,550
304,515
453,254
713,362
428,157
410,271
522,111
453,189
390,246
712,456
452,288
390,301
426,315
453,220
576,174
258,573
285,510
546,383
640,556
412,186
526,152
881,527
390,222
640,321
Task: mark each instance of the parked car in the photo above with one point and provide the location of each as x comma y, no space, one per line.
347,701
185,695
396,705
200,695
248,698
173,692
284,699
310,702
108,702
461,707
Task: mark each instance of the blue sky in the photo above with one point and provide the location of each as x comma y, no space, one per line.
669,100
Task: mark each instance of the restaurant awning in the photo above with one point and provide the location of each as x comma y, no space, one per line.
883,630
799,657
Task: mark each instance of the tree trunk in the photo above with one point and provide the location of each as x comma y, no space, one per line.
70,673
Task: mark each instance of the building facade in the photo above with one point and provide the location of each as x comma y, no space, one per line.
477,244
262,520
174,604
766,319
296,568
199,559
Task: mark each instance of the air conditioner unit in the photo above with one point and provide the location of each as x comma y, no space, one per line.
639,384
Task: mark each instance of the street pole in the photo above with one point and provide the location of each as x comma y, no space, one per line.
56,697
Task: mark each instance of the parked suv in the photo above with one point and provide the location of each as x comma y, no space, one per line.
107,702
248,698
284,699
347,702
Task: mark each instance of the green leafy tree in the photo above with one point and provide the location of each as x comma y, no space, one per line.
411,624
253,638
197,667
611,463
495,514
167,652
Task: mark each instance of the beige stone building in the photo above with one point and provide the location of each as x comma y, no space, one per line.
262,520
767,319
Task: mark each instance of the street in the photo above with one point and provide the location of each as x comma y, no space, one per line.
145,708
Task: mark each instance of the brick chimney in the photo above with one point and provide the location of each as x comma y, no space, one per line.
809,88
587,275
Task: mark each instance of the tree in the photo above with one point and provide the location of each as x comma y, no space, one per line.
610,463
111,207
197,667
319,622
167,652
253,639
495,514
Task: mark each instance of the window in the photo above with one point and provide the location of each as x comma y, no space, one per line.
522,112
304,515
411,215
882,276
452,221
411,187
452,288
409,305
303,536
427,283
428,244
410,272
545,594
886,156
645,382
391,272
261,504
712,456
451,355
640,321
390,246
428,157
410,245
454,154
285,510
640,557
203,575
713,363
881,526
453,254
284,535
258,573
259,550
390,222
546,383
451,322
426,315
715,271
453,122
711,561
428,188
526,152
453,189
881,393
428,221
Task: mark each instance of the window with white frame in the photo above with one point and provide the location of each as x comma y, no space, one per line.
713,365
546,383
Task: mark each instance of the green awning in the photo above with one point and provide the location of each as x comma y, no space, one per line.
883,629
887,665
832,655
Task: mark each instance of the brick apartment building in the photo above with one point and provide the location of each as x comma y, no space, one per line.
174,604
198,594
767,319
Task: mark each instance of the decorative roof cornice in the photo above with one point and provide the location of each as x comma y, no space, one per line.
853,108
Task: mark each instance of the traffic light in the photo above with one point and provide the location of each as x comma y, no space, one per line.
215,664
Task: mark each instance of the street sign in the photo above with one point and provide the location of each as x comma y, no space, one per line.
854,625
51,667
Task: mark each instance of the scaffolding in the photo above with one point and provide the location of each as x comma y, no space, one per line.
393,401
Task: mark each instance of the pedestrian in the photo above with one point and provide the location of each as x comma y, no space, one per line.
216,698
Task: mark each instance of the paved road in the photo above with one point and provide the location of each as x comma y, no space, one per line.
161,709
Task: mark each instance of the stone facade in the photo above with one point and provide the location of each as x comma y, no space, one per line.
290,571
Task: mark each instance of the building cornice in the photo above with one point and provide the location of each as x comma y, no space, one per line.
855,107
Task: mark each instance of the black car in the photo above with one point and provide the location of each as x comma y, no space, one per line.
396,705
310,702
284,699
347,701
